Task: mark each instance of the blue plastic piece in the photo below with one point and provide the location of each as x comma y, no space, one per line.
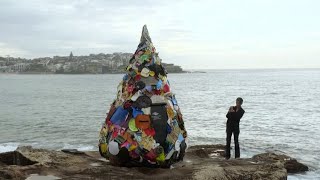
119,116
136,112
159,84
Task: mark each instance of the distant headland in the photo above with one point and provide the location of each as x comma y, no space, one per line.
91,64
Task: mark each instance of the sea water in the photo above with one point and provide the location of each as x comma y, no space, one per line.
66,111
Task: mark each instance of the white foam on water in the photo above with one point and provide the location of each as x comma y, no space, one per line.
7,147
10,146
86,148
310,175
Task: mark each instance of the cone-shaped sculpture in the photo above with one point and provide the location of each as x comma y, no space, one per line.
144,126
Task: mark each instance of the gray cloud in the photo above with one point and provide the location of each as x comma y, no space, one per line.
53,27
213,32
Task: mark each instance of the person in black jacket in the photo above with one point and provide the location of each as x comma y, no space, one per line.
234,115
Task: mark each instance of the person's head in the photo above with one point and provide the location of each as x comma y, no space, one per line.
239,101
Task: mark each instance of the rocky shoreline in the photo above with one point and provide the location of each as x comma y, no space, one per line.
200,162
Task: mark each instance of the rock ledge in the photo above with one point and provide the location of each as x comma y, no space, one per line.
200,162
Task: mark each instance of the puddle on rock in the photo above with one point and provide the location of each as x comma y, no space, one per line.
103,159
213,155
95,164
39,177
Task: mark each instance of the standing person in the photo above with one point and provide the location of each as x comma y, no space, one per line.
234,115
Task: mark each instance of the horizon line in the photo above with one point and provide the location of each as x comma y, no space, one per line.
271,68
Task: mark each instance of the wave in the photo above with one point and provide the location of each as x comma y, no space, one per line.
11,146
6,147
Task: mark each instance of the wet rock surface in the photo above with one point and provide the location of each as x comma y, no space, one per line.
200,162
291,164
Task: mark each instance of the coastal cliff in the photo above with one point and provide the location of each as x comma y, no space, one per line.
200,162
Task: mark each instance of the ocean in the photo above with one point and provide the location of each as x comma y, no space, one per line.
67,111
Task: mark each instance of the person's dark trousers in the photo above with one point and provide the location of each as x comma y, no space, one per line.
235,131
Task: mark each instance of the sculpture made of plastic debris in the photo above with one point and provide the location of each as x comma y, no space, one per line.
144,126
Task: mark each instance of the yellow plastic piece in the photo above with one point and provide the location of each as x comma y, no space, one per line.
132,147
161,157
170,113
103,148
151,73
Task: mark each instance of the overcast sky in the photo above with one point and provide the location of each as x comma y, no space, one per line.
213,34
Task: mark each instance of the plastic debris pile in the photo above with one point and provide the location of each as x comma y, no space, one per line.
144,126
